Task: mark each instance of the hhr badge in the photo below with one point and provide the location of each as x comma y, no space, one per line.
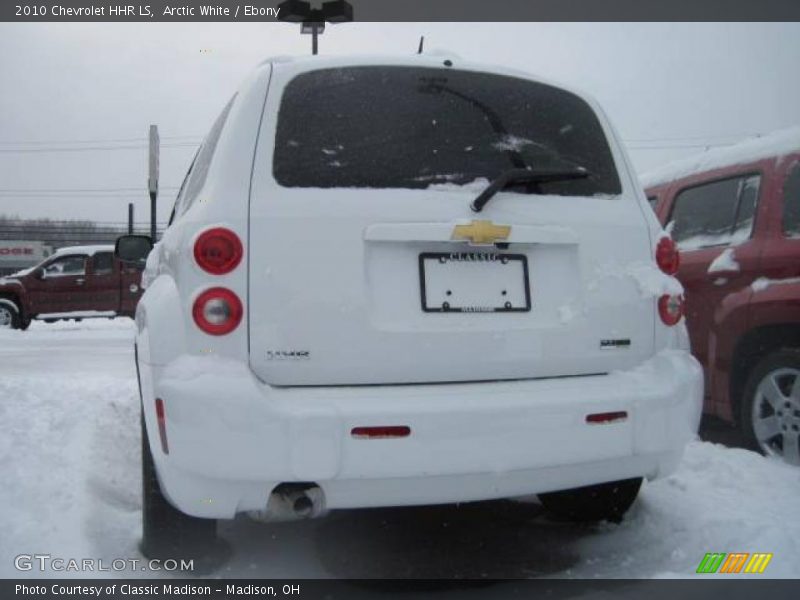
481,232
288,355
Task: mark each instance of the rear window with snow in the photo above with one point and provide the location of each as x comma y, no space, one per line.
409,127
715,214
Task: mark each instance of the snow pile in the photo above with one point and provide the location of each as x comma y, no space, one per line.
696,242
513,143
725,262
89,250
762,283
775,144
651,281
720,500
152,266
476,186
192,368
68,443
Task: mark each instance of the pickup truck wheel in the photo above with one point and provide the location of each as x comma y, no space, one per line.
9,316
770,418
604,501
167,532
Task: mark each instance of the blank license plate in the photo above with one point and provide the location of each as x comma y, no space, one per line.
474,282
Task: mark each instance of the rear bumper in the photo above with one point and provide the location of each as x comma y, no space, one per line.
232,439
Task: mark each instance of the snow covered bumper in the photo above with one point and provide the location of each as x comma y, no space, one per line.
232,439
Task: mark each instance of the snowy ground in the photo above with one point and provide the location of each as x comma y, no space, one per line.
69,458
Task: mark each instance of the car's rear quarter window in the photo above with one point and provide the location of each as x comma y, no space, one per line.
716,213
410,127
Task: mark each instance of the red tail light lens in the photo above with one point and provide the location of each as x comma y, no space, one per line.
217,311
668,258
218,251
670,309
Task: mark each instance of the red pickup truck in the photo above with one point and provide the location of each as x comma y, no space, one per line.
73,283
735,215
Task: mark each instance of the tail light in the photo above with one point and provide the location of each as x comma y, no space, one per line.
217,311
218,251
670,309
668,258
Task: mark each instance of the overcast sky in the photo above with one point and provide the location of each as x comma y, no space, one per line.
74,87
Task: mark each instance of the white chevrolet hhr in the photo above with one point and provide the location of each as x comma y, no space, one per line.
399,281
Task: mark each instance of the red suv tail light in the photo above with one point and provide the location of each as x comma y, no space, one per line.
218,251
670,309
217,311
668,258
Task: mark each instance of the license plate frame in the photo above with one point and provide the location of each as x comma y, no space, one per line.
483,258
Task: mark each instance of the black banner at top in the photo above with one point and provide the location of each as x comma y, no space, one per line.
405,10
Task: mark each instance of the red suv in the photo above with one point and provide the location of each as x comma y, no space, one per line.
734,213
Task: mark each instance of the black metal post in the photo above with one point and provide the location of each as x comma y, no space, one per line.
130,218
314,37
153,216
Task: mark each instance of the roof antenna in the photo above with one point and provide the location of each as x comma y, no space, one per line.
421,44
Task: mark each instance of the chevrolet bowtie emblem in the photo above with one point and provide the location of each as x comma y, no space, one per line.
481,232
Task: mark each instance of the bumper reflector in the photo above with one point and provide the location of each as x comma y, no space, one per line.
382,432
607,417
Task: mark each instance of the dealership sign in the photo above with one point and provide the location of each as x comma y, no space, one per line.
14,253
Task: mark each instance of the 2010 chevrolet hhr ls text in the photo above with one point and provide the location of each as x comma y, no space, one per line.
407,281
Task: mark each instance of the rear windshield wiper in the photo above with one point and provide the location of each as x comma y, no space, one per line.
525,175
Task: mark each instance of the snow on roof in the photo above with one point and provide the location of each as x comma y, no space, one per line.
774,144
90,250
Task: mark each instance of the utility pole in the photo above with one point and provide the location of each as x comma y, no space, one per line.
130,218
313,20
316,29
152,179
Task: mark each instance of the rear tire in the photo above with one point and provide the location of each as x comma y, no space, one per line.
167,532
9,315
604,501
770,406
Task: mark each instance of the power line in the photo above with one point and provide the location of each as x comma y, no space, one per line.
89,148
181,141
14,221
119,189
198,138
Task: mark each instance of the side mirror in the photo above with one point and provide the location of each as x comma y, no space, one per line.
133,248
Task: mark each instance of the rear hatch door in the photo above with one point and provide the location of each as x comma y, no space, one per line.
367,265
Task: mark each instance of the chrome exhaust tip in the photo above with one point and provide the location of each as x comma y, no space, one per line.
292,502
